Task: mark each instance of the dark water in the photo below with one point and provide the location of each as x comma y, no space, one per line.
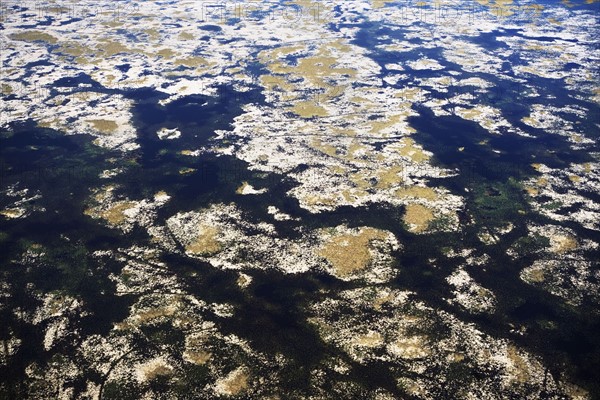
494,198
63,170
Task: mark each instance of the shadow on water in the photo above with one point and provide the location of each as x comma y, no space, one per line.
50,176
491,168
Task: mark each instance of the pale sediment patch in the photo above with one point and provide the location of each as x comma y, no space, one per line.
278,215
247,189
417,192
168,134
469,294
425,64
518,364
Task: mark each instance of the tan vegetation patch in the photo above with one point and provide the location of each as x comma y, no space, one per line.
354,147
244,280
535,275
456,357
350,253
324,147
153,34
371,339
351,195
75,49
192,62
186,36
110,48
32,36
267,56
309,109
532,191
165,53
520,367
104,125
361,180
206,243
418,217
144,317
381,124
470,114
381,3
195,349
6,89
563,243
116,214
234,383
159,370
315,72
409,93
199,357
320,201
338,170
542,182
242,188
417,192
315,68
381,300
154,369
272,82
390,177
410,347
410,150
58,303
